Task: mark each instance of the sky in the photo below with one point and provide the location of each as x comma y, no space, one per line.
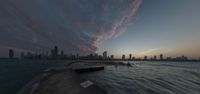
139,27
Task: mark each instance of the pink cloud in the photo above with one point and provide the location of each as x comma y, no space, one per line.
120,25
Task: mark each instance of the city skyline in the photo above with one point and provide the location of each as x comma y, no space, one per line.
137,27
57,53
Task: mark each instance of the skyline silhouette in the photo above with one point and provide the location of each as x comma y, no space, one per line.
56,54
140,27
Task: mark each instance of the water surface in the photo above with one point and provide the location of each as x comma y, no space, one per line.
14,74
149,78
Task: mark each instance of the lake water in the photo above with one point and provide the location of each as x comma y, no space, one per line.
149,78
14,74
142,78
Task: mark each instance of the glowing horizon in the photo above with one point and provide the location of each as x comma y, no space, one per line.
140,27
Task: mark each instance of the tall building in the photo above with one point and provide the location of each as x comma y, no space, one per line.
145,57
130,56
184,58
123,57
77,56
62,54
105,55
133,58
55,51
161,56
168,58
112,57
96,56
155,57
11,53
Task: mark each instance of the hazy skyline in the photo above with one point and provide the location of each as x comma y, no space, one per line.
139,27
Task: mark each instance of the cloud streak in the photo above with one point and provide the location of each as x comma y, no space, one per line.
119,25
73,25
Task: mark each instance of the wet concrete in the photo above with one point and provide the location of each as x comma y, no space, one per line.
62,80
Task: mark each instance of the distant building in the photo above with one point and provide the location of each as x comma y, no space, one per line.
55,52
112,57
96,55
145,57
161,56
62,54
184,58
130,56
105,55
133,58
123,57
178,58
155,57
11,53
168,58
77,56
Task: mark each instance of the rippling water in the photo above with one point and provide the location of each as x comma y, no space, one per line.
14,74
149,78
142,78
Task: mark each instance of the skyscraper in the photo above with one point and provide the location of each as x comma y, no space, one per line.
11,53
105,55
123,57
130,56
145,57
55,51
77,56
161,56
112,57
155,57
62,54
133,58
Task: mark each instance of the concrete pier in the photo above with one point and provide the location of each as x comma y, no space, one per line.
63,80
86,67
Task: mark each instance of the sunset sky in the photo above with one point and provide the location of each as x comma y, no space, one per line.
171,27
140,27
